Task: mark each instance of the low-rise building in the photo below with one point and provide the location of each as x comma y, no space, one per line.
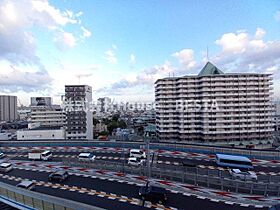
41,134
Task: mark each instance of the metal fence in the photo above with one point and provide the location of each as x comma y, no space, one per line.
211,179
25,199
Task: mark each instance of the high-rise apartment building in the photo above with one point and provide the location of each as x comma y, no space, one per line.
79,118
8,108
214,107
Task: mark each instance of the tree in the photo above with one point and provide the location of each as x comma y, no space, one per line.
115,117
111,126
104,133
95,121
122,124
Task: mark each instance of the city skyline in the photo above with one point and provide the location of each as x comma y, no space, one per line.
121,48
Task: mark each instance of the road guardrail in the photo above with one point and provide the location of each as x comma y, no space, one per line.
30,200
188,176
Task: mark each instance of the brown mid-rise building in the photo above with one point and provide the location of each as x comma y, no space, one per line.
79,119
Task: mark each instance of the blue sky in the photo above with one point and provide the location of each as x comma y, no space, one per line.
121,47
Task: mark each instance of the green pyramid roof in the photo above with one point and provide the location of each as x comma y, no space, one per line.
209,69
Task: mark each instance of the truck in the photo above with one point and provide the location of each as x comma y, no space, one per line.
40,155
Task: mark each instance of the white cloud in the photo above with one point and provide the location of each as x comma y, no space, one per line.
18,17
146,77
110,57
65,40
18,43
239,52
248,51
86,32
13,79
260,33
132,58
233,43
51,16
79,14
185,57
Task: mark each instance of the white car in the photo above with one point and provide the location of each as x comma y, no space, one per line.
2,155
137,153
6,167
135,161
86,157
244,175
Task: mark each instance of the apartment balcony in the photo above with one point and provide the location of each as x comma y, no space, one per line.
183,131
192,126
165,82
238,110
167,97
243,115
167,111
167,121
242,99
188,86
221,121
167,131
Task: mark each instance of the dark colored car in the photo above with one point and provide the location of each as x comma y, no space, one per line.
188,163
29,185
153,194
276,207
58,176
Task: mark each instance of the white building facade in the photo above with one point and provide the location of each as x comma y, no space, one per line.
49,134
47,116
215,107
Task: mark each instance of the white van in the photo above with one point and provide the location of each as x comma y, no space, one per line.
6,167
40,155
137,153
86,157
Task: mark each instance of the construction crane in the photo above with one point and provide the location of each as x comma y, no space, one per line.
83,75
21,105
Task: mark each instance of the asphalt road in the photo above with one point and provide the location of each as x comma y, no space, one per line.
176,200
164,160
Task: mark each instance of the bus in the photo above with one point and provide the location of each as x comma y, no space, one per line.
233,161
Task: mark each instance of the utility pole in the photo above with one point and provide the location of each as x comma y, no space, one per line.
123,158
148,155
